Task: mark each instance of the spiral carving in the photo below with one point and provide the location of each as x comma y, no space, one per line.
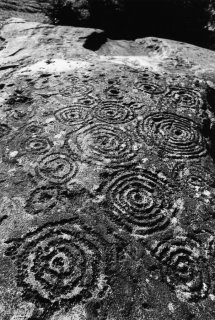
63,262
72,115
56,168
194,176
138,202
177,136
113,112
184,97
103,144
182,267
36,145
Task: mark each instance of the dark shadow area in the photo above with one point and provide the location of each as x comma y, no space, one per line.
210,131
95,41
182,20
173,19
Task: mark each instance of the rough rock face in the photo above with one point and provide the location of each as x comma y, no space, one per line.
107,177
32,10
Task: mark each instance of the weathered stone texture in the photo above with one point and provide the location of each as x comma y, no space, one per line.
107,176
31,10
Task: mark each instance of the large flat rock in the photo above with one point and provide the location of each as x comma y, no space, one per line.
107,176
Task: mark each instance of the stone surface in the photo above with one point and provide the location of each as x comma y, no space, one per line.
32,10
107,176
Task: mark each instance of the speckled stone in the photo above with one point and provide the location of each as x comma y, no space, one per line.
107,176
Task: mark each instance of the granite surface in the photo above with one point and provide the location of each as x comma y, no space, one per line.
107,176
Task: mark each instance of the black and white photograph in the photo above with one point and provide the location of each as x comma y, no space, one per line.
107,159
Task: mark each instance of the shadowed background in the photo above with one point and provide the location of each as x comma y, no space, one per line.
184,20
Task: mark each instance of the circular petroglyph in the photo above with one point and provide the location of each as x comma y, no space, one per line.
103,144
63,262
147,75
182,267
150,82
101,182
177,136
113,112
33,128
57,168
150,87
4,130
36,145
72,115
114,92
87,101
138,203
194,176
183,97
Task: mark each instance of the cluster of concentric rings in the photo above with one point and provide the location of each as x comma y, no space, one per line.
36,145
138,202
177,136
113,92
66,261
182,267
103,144
63,262
113,112
184,97
56,168
150,87
4,130
193,176
72,115
33,128
150,83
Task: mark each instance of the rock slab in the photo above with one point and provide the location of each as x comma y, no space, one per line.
107,176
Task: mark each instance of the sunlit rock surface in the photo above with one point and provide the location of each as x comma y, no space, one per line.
31,10
107,176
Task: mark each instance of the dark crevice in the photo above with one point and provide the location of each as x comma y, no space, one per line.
11,66
2,43
210,132
212,136
3,218
211,98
